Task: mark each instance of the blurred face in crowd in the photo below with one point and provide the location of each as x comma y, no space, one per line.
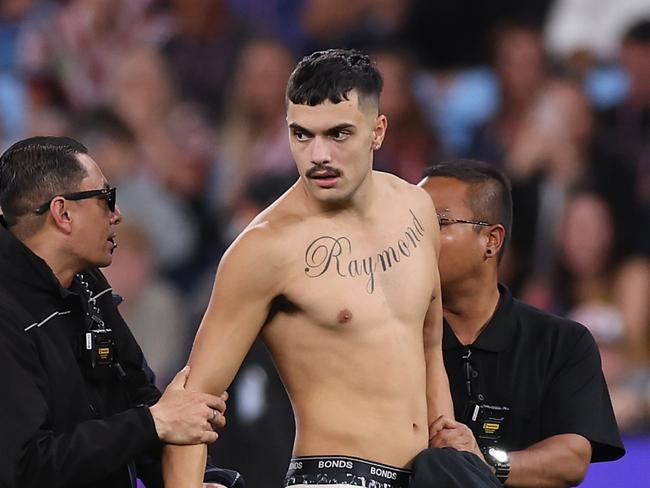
261,78
394,101
92,230
563,112
587,236
196,8
519,62
102,10
462,248
15,9
635,57
333,143
142,89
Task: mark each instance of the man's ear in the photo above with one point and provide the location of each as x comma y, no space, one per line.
379,132
61,215
496,236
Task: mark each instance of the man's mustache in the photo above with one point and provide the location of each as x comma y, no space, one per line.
329,171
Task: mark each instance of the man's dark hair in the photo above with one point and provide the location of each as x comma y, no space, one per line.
332,75
35,170
639,32
490,196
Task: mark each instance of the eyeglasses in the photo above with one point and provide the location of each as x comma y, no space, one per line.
107,193
447,221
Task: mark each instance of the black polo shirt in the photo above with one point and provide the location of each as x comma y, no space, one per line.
544,368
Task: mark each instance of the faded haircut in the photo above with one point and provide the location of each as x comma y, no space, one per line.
331,75
35,170
490,191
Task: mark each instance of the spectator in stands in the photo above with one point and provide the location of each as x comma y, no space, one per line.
253,138
411,144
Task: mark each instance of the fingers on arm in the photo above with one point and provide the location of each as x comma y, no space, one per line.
180,379
209,436
214,402
444,422
449,433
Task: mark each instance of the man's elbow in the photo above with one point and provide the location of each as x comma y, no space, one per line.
578,466
578,473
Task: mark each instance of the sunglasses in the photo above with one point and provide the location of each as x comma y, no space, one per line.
106,193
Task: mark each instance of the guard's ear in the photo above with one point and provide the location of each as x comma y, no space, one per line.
496,235
60,212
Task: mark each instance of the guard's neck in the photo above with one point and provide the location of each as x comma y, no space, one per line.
62,263
469,306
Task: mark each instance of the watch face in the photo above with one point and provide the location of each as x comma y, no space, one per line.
499,455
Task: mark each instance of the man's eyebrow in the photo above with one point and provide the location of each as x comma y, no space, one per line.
295,127
332,130
339,128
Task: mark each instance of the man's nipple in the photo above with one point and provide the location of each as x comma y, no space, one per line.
344,316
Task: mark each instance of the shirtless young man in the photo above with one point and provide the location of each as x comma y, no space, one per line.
336,276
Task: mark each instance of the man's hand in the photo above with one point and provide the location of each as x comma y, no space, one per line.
446,432
186,417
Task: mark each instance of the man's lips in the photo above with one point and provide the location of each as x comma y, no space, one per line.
112,240
326,182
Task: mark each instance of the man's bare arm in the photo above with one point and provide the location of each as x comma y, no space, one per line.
557,462
244,287
439,400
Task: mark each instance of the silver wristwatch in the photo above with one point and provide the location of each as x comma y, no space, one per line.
498,459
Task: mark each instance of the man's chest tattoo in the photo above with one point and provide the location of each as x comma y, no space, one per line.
336,254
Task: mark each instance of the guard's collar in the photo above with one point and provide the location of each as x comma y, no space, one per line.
497,334
20,264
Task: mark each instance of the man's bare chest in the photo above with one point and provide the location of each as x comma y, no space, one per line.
377,273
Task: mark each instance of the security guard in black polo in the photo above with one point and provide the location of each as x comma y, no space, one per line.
529,395
78,407
528,376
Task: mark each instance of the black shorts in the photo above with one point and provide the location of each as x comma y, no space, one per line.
345,470
449,468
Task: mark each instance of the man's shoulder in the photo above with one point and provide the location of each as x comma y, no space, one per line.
270,227
280,215
412,195
395,183
256,235
14,305
14,316
263,245
7,309
539,323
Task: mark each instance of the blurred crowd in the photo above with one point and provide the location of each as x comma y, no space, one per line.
181,102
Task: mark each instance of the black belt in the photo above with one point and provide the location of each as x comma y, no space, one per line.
345,470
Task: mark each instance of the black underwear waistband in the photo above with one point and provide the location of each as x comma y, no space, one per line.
328,470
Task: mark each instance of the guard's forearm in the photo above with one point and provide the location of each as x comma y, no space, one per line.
183,466
557,462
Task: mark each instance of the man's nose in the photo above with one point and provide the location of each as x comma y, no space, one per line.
116,218
320,151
